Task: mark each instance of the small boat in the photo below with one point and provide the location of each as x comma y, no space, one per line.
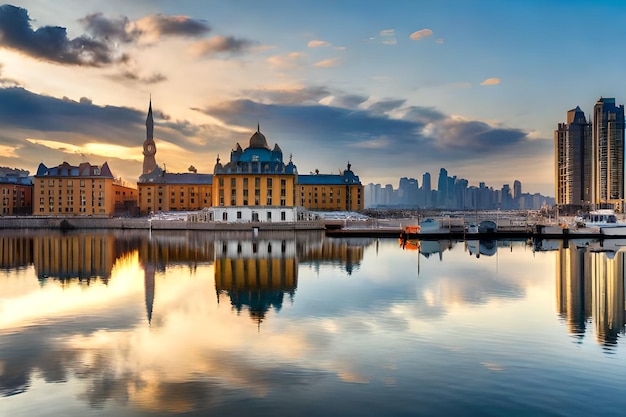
487,226
598,218
471,228
430,226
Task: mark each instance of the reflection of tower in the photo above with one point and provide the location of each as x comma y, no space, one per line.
256,274
149,289
149,147
608,296
573,297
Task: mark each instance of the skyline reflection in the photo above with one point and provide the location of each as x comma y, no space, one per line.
590,287
175,321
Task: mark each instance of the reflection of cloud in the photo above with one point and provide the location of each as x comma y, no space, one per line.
491,81
420,34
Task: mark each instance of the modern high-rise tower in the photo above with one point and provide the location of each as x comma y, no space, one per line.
608,142
573,160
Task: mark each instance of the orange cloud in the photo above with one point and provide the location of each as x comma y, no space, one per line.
420,34
318,44
491,81
327,63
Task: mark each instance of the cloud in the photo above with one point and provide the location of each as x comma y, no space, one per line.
157,26
439,40
332,62
130,75
220,44
288,61
113,29
415,135
388,32
50,43
420,34
491,81
318,44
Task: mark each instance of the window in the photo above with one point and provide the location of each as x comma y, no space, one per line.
257,182
225,216
269,216
238,215
283,182
255,216
269,182
221,182
283,216
245,183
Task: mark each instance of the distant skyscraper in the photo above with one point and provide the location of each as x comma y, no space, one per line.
608,141
573,160
517,190
442,187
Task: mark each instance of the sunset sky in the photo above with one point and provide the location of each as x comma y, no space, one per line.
397,88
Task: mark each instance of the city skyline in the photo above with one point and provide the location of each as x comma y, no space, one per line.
395,89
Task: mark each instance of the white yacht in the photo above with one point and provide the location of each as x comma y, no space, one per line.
599,218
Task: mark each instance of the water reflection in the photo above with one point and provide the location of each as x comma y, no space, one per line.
169,323
590,287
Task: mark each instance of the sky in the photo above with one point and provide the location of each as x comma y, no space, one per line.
396,88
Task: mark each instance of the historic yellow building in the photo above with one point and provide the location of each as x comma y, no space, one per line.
254,176
80,190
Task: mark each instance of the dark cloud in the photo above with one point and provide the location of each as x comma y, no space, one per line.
50,43
121,29
423,115
23,109
221,44
134,76
423,136
113,29
173,25
384,106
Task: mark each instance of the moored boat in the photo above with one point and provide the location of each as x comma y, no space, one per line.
599,218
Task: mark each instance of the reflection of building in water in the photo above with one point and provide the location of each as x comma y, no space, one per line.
81,256
16,251
257,273
573,289
608,296
347,253
591,285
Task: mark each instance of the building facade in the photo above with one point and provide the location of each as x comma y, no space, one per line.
16,191
78,190
341,192
573,160
608,140
254,176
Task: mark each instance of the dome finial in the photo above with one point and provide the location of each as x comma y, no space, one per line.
258,127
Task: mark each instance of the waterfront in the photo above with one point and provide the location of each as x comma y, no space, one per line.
193,323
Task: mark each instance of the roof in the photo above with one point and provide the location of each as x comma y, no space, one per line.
171,178
328,179
83,170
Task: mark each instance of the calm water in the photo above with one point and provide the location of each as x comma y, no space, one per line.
133,324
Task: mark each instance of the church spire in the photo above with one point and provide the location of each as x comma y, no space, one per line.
150,122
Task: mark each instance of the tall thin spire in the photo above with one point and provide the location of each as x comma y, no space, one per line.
258,127
150,122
